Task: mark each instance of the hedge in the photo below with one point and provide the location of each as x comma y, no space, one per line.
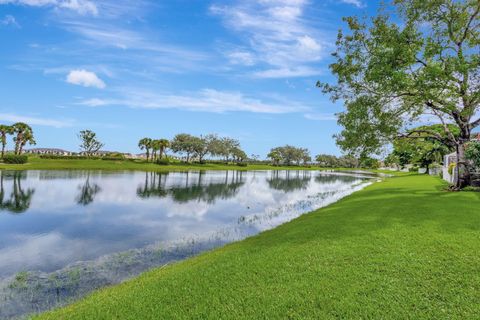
15,159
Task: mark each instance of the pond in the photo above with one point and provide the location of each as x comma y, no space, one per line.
66,233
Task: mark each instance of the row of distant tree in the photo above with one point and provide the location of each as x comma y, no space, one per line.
194,147
22,134
189,146
198,148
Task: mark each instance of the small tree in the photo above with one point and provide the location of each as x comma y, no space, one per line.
163,144
90,144
145,144
327,161
24,135
184,143
275,156
4,131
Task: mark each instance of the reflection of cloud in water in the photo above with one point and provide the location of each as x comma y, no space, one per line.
142,213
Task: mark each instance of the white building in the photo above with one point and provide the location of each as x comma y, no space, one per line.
49,151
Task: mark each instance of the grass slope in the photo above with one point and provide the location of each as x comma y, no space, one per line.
400,249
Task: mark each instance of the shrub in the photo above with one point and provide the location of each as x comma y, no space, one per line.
15,159
163,162
114,157
242,164
413,169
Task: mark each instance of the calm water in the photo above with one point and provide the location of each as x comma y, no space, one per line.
65,233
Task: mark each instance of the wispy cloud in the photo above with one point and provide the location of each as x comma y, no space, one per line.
136,47
279,38
10,117
9,20
206,100
85,78
80,6
320,116
356,3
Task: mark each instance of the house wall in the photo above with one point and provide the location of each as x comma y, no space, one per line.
450,178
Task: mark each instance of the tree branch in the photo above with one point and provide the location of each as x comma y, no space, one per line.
475,124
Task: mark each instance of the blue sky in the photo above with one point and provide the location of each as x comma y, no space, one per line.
129,69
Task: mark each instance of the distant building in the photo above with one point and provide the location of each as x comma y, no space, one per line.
49,151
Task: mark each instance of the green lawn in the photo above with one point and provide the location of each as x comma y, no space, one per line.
400,249
36,163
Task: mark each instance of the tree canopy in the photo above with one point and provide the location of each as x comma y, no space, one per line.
89,142
289,155
396,69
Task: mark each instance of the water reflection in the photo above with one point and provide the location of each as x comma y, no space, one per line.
154,185
194,187
82,230
88,191
20,198
288,181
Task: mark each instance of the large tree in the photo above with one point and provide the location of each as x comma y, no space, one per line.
424,60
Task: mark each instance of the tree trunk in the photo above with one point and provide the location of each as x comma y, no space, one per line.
18,142
188,157
462,167
3,150
161,153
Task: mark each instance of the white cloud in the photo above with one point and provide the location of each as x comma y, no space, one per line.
80,6
301,71
9,20
206,100
320,116
85,78
136,47
241,57
279,38
356,3
10,117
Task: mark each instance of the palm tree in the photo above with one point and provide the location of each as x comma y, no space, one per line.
27,138
24,134
163,144
4,131
145,144
155,148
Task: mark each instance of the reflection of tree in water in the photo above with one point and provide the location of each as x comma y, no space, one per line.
330,178
20,199
194,188
209,191
88,191
154,186
289,180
